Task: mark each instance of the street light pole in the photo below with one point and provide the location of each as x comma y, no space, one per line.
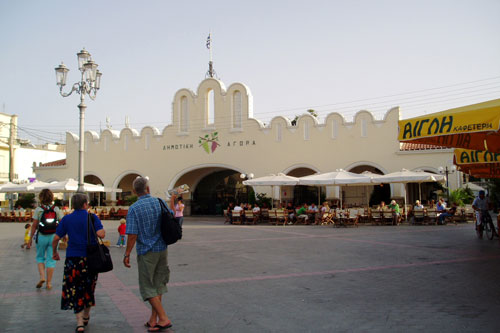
446,172
89,84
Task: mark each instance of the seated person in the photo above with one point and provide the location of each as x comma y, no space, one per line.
302,213
395,211
441,206
312,212
418,205
229,216
256,209
382,206
291,212
449,212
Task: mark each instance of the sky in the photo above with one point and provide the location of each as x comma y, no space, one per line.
330,56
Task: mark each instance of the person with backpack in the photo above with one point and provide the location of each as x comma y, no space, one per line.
45,220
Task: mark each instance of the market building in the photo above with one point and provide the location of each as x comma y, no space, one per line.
214,139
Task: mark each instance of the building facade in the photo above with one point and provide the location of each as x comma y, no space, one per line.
214,138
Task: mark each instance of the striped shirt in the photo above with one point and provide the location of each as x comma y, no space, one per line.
143,220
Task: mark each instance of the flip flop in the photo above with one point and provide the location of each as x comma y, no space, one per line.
77,329
159,328
40,283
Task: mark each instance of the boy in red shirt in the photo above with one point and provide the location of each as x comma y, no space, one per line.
121,230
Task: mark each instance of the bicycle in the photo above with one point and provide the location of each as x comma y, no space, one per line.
486,225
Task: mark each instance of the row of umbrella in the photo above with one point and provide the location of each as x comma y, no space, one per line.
68,185
346,178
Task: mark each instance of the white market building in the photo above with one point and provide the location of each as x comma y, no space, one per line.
210,143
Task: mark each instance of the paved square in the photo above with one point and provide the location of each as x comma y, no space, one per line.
264,278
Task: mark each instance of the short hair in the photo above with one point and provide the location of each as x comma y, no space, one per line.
46,196
481,192
78,200
140,185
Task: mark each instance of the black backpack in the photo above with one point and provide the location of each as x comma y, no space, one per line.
48,221
171,231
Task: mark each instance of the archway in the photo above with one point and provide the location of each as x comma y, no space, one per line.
95,198
304,194
215,190
366,195
125,184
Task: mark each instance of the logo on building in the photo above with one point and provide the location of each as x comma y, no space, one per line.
209,142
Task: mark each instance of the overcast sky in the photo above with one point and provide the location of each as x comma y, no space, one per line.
331,56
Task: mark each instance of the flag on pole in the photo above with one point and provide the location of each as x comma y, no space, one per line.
209,40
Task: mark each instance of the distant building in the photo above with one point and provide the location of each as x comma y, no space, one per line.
24,154
214,138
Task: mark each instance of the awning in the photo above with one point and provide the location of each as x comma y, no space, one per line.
475,127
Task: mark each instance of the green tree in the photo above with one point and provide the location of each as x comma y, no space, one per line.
26,200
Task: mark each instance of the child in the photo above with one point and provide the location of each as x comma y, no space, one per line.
121,230
26,244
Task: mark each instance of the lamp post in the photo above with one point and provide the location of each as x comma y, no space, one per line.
89,84
445,171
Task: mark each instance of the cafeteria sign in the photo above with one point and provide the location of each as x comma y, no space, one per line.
467,156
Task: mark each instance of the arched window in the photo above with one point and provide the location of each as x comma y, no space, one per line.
106,143
306,129
237,116
279,132
125,142
147,141
210,107
335,129
184,117
363,128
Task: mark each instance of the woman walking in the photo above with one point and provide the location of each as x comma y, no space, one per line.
45,220
78,282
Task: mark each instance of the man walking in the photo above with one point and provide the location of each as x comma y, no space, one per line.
143,228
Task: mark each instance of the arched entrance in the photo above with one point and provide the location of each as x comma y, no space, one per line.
95,198
125,185
366,195
215,190
305,194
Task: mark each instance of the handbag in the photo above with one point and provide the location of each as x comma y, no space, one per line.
98,256
171,230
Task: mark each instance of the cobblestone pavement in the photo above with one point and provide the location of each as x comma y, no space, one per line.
263,278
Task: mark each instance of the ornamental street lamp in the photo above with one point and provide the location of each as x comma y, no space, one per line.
445,171
89,84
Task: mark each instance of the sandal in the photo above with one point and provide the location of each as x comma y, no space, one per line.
159,328
86,320
40,284
49,286
78,328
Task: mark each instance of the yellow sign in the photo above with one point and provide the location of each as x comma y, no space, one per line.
469,119
467,156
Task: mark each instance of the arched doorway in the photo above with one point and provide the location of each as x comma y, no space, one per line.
95,198
125,185
366,195
215,190
305,194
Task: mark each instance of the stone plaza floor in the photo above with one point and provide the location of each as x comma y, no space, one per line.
231,278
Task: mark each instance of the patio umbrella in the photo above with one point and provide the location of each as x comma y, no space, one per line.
406,176
15,188
272,180
475,127
477,163
71,185
339,177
